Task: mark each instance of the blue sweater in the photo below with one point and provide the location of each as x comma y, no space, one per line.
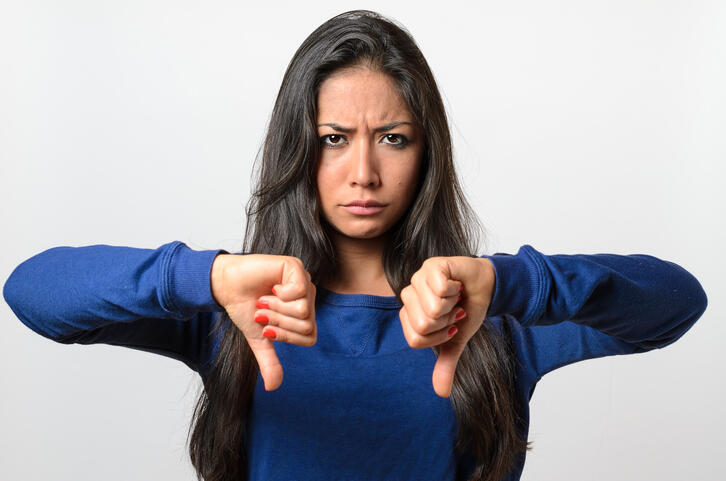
359,404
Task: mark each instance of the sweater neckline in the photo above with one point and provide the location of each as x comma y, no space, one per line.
356,300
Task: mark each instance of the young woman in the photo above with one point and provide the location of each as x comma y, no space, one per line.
360,254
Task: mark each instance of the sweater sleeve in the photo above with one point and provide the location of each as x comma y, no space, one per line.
573,307
156,300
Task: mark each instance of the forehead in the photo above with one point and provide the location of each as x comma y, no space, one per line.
359,94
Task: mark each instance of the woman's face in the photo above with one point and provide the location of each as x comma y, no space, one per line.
370,151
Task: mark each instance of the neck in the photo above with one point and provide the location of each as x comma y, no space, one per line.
360,266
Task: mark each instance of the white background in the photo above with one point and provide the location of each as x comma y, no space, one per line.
579,127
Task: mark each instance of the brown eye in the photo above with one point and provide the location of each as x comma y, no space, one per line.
396,140
331,140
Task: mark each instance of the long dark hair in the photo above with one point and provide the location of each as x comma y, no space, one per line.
439,222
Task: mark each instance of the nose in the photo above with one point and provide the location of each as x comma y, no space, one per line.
364,169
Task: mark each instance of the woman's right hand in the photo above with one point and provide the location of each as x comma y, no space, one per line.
242,284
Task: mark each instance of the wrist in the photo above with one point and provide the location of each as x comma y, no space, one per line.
186,280
216,278
489,278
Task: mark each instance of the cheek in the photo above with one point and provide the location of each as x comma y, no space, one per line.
321,179
327,184
408,179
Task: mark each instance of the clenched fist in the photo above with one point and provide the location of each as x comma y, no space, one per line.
267,297
430,316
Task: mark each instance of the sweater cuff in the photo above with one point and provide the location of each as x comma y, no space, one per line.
519,287
189,271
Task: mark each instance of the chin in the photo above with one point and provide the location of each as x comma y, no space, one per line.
358,229
355,234
370,232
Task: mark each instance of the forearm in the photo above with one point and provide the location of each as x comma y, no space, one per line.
637,298
66,290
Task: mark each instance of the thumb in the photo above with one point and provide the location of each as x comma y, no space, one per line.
445,368
270,367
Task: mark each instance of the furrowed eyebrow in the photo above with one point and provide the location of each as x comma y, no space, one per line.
382,128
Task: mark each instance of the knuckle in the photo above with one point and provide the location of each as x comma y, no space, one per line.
415,341
440,308
406,293
439,289
427,310
301,310
420,325
432,261
434,308
309,329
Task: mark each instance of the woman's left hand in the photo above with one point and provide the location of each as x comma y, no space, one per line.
429,309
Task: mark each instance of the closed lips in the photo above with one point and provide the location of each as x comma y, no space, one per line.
365,203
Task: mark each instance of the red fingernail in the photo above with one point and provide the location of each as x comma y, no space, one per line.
262,319
461,287
270,334
459,299
262,304
460,315
273,291
453,330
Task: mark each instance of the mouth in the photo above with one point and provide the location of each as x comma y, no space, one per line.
365,203
364,207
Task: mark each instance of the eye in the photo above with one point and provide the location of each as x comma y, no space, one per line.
332,140
396,140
